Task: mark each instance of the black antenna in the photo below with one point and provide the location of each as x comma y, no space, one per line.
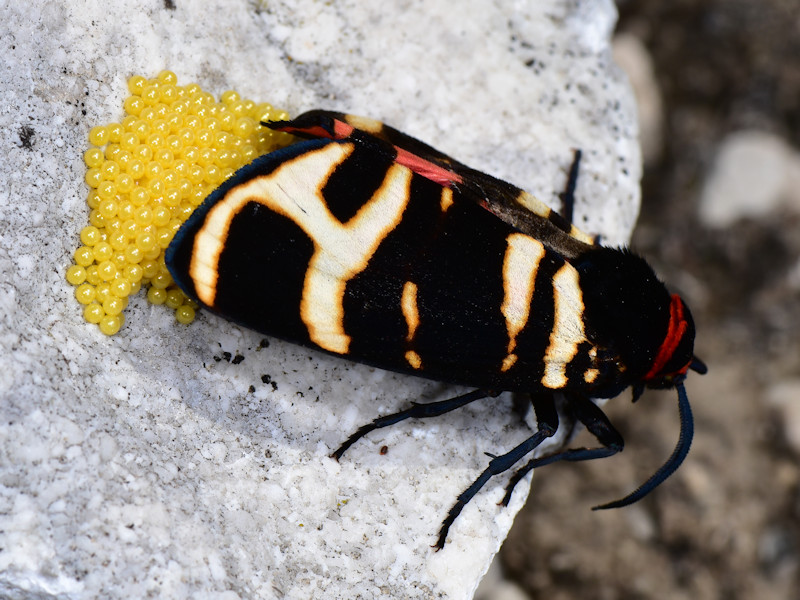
673,462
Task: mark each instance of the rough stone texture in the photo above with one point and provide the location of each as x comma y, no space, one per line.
633,58
144,464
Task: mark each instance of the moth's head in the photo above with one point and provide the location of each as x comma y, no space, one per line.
668,369
629,311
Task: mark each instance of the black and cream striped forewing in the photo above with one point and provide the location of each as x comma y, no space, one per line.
334,245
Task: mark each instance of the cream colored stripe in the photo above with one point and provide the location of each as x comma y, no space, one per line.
567,331
446,200
341,251
344,251
364,124
408,304
539,208
211,237
520,265
414,359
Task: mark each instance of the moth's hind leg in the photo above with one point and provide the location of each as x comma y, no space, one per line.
595,420
417,411
547,424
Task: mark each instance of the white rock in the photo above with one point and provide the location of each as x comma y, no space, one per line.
139,466
632,56
754,174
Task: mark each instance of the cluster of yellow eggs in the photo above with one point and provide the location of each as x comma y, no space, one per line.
146,175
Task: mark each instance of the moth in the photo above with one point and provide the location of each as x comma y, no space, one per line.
366,243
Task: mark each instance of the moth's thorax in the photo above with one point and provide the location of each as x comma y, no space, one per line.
632,316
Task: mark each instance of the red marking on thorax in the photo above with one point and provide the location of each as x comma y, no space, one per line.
675,330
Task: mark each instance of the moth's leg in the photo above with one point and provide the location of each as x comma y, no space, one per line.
595,420
417,411
568,195
547,422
